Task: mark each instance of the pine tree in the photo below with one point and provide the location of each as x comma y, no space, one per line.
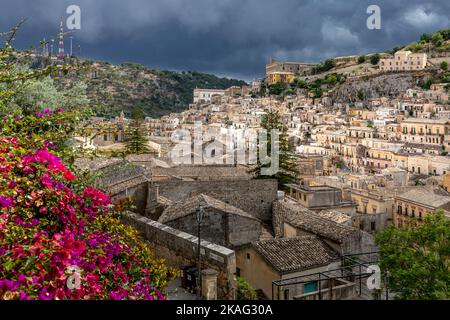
135,140
288,171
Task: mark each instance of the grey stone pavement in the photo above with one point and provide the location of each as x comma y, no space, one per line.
174,291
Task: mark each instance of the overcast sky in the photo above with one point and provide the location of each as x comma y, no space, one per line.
233,38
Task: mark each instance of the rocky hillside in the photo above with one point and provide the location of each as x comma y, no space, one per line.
113,88
376,86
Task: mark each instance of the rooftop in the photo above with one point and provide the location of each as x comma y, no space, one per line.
295,254
186,207
302,218
425,196
96,163
334,216
310,188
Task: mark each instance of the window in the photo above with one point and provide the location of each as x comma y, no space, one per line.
406,211
105,137
373,225
238,272
412,213
248,256
399,210
310,287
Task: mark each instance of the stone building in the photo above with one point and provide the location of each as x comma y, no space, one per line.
299,68
374,211
206,95
404,61
424,131
263,262
446,182
222,223
413,205
318,198
291,220
280,77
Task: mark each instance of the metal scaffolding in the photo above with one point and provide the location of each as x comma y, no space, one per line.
345,282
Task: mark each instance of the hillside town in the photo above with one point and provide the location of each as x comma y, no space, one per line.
361,166
234,158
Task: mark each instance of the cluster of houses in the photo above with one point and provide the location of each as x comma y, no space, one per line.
362,167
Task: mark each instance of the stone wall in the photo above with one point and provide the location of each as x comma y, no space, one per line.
243,230
227,230
364,221
118,172
211,229
139,195
252,196
180,249
325,198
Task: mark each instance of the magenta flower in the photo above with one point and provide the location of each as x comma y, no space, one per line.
12,184
6,202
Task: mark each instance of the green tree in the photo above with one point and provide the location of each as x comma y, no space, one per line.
417,258
426,85
13,76
137,114
361,59
75,98
444,65
331,79
437,39
277,88
445,34
322,67
329,64
288,171
244,290
136,141
302,84
36,95
374,59
360,95
262,90
425,37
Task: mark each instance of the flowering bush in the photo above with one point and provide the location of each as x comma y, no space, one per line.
49,229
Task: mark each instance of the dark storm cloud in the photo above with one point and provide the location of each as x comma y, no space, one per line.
227,37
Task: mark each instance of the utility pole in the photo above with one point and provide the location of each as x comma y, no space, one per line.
51,47
199,262
71,52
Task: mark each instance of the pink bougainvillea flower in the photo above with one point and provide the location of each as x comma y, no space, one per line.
49,226
12,184
69,176
6,202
